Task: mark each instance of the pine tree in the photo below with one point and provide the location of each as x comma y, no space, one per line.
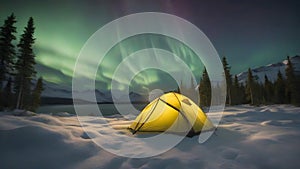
290,77
205,90
259,94
279,89
249,86
290,88
8,95
292,84
228,80
1,101
36,94
237,93
180,87
243,94
178,90
25,71
192,91
268,91
296,96
253,89
7,50
192,87
218,90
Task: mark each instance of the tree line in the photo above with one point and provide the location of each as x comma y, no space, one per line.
17,71
281,91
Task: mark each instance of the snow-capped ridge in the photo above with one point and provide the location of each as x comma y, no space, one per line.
271,70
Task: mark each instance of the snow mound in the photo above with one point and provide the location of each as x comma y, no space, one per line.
248,137
18,112
62,114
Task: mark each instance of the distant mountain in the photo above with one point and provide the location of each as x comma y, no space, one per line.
271,70
62,93
134,97
54,94
52,75
56,90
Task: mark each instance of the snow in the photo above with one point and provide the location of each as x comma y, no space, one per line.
248,137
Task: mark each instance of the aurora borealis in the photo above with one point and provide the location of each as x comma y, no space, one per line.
248,33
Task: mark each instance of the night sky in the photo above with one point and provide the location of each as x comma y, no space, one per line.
249,33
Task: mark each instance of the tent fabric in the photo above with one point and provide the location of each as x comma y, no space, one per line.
173,113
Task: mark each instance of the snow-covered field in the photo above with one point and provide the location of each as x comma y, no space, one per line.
248,137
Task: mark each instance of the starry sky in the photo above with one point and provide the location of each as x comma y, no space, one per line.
249,33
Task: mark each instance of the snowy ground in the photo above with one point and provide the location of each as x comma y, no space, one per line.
248,137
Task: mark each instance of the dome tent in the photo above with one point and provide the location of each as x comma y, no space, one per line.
172,113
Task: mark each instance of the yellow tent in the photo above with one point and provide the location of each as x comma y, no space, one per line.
173,113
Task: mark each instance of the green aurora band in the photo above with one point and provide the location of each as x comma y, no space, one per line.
149,79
